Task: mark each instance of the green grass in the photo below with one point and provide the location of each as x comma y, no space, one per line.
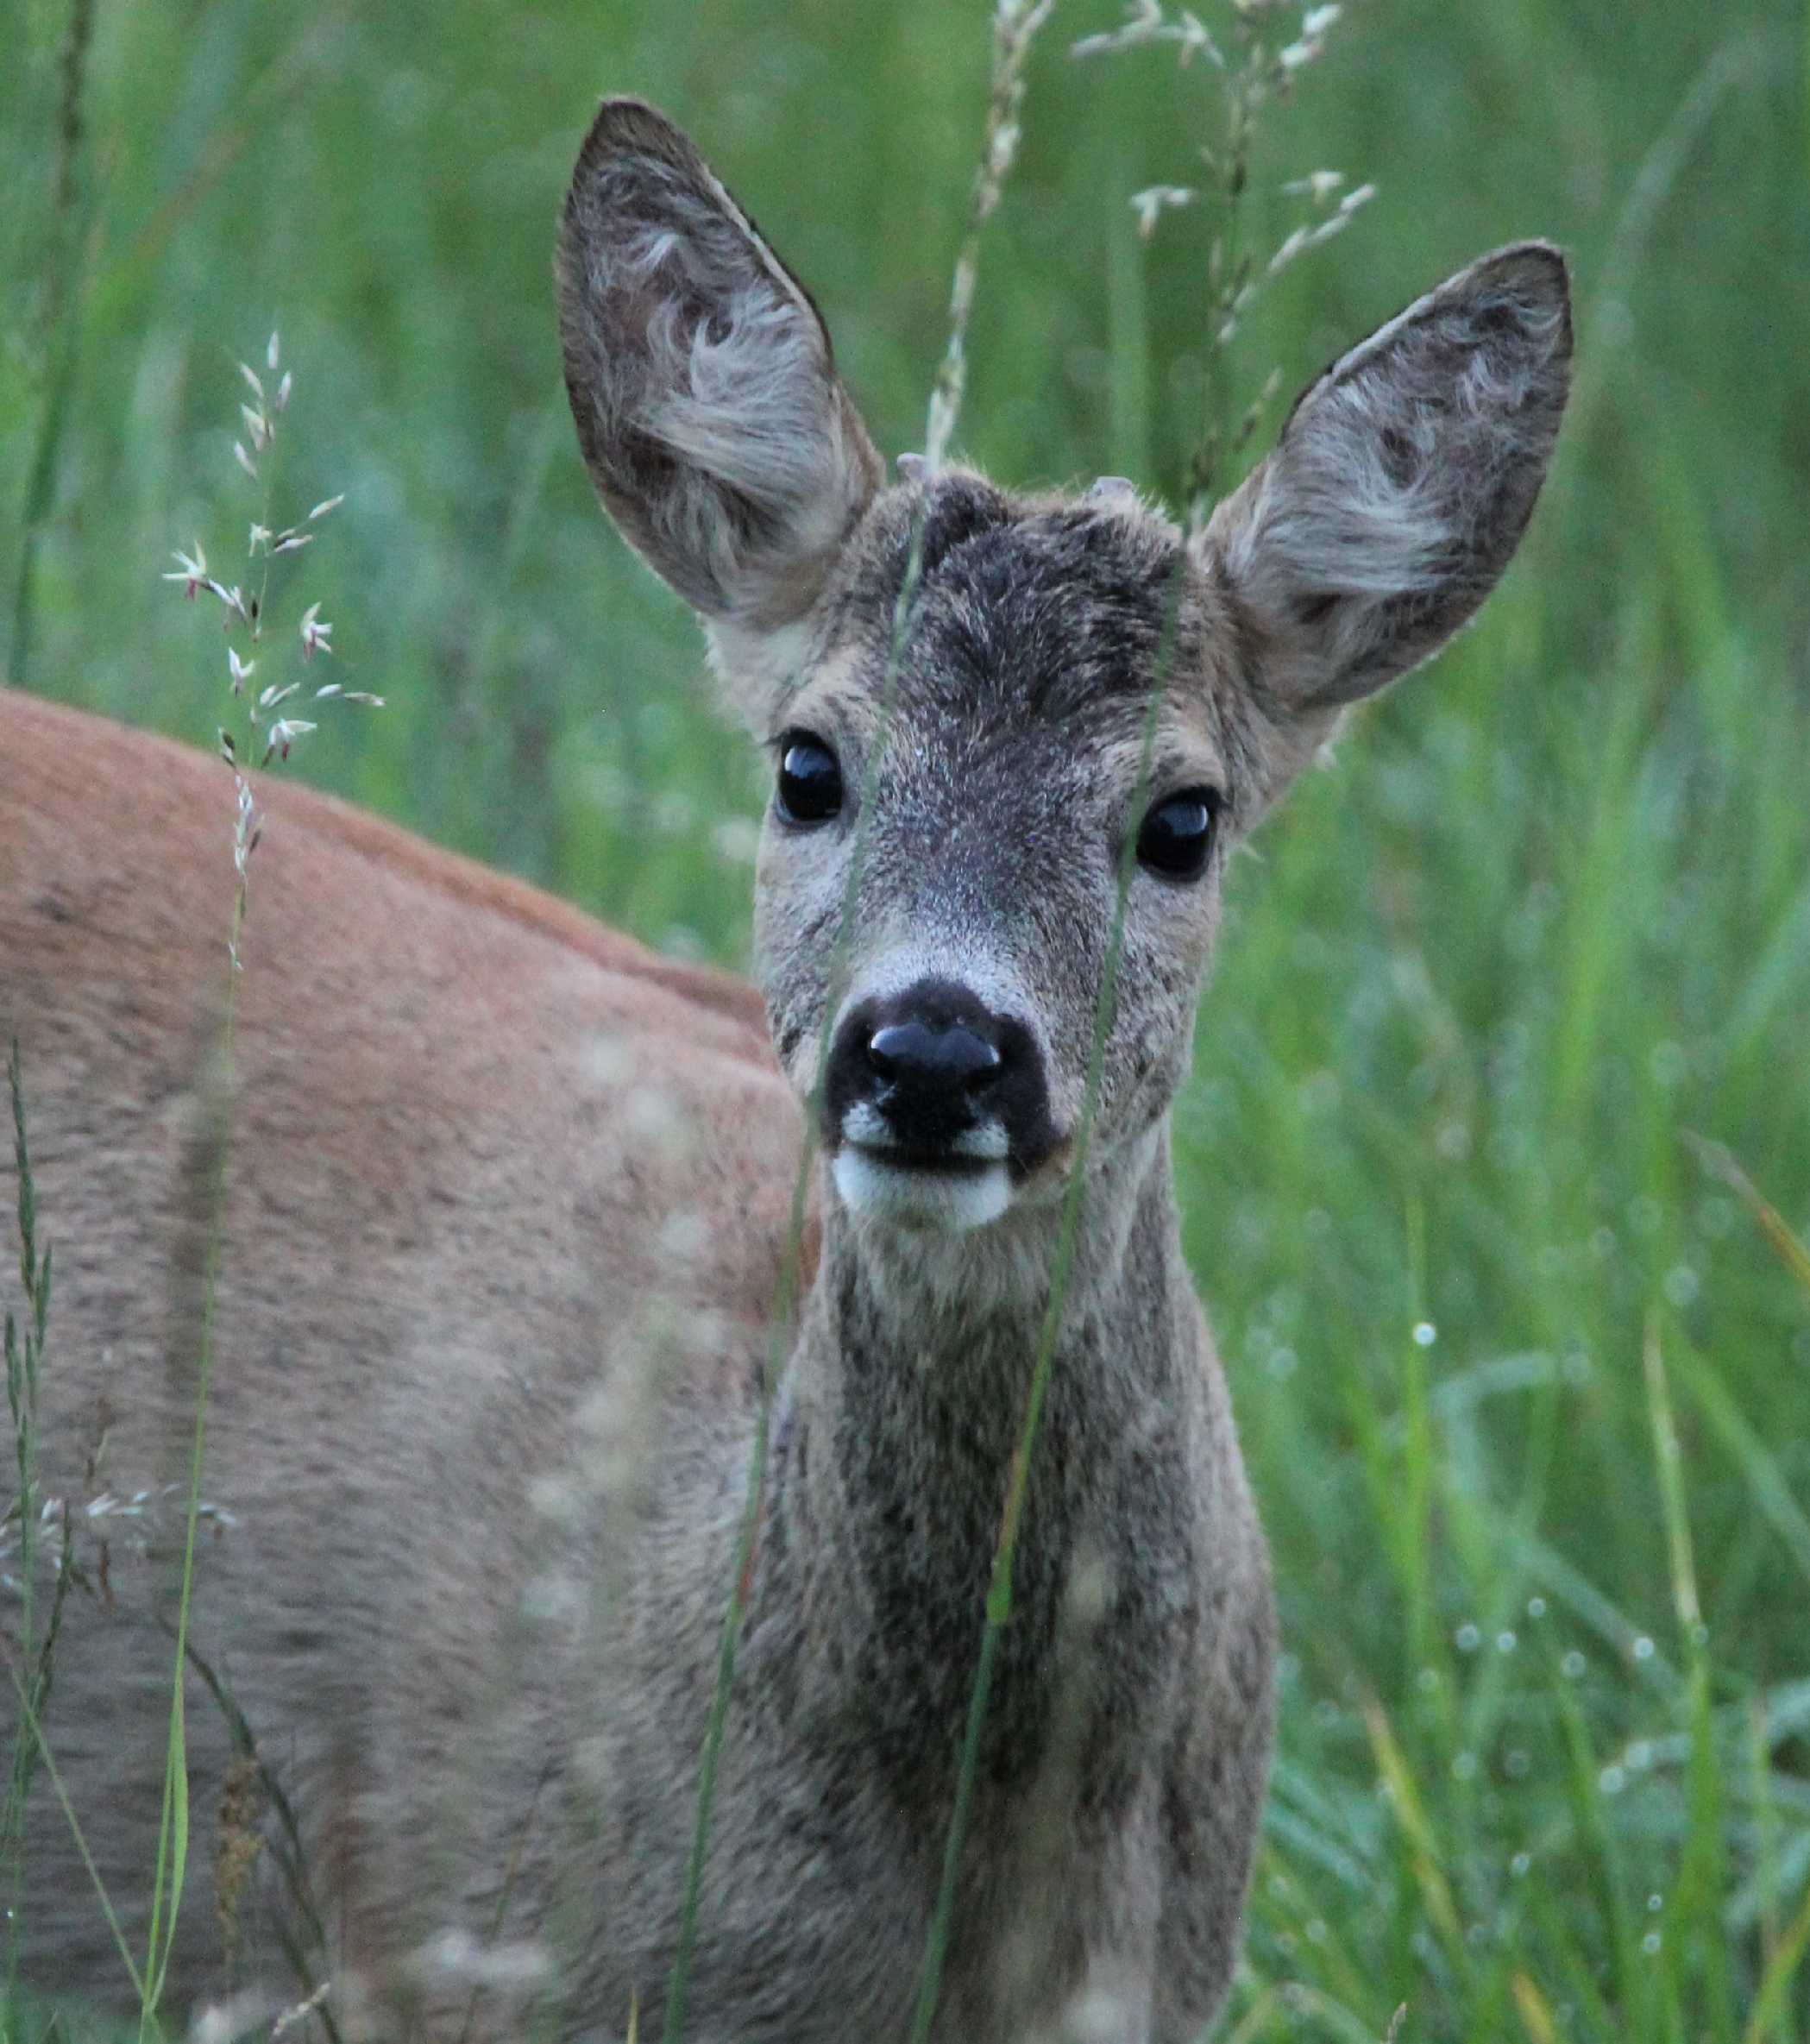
1545,1572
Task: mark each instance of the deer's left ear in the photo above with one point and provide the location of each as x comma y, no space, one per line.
1401,485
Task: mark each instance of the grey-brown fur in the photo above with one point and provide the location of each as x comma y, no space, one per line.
507,1200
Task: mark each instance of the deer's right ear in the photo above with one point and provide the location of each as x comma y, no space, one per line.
706,395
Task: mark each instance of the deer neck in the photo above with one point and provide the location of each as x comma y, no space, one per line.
898,1424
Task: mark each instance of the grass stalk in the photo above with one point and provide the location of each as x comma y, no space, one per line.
24,1352
62,319
24,1358
54,1776
1703,1878
999,1591
171,1865
1015,26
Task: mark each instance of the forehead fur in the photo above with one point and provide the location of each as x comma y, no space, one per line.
1038,612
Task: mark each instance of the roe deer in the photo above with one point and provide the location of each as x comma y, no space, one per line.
505,1198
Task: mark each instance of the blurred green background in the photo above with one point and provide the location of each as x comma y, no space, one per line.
1549,915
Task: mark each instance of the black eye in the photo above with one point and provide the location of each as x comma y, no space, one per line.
1176,836
810,781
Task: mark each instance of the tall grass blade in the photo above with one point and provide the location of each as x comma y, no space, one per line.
56,1779
999,1592
63,295
1015,26
1718,1158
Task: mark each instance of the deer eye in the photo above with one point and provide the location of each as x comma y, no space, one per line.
810,781
1175,837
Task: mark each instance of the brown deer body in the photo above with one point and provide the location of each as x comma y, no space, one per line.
506,1201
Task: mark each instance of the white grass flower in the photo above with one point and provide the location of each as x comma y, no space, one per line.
290,2017
191,571
1318,20
283,734
1154,201
1148,24
247,820
317,634
1287,254
1318,186
1305,238
263,732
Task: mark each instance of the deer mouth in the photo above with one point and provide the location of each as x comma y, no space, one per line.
927,1163
950,1188
968,1152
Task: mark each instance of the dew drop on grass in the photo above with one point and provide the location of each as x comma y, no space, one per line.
1425,1334
1681,1284
1654,1904
1427,1681
1612,1781
1643,1648
1506,1643
1467,1638
1537,1608
1572,1666
1651,1943
1669,1063
1464,1766
1519,1864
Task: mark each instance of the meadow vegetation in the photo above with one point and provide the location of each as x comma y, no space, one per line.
1499,1136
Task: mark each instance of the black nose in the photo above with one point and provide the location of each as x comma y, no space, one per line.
934,1063
923,1056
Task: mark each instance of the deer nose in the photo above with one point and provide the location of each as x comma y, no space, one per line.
926,1056
923,1073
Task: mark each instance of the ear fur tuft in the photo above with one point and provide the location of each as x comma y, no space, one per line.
1402,482
703,385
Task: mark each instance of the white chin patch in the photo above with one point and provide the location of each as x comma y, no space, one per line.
948,1201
